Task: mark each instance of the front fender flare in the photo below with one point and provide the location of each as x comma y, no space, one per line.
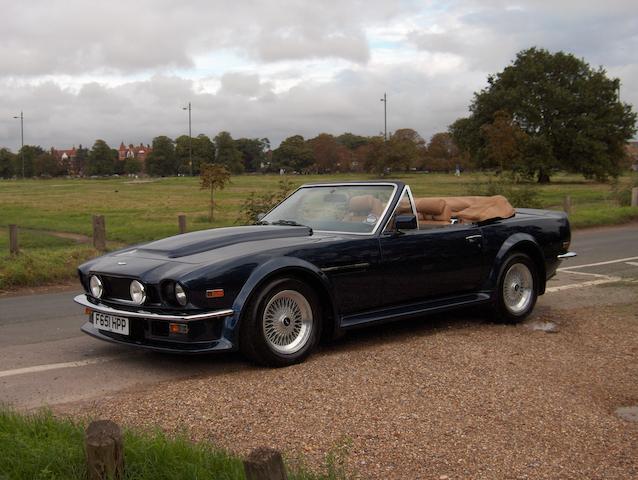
270,269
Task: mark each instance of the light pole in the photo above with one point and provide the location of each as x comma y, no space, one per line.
190,138
21,117
385,116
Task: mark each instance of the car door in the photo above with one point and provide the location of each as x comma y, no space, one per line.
429,262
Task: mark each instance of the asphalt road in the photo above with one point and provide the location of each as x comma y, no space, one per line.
46,360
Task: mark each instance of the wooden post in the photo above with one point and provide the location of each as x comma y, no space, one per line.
264,464
634,197
567,205
99,233
104,451
14,248
181,223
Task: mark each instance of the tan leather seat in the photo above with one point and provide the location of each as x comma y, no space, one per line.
467,209
433,211
361,206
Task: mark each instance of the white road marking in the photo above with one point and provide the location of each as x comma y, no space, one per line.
590,283
56,366
598,264
601,279
633,264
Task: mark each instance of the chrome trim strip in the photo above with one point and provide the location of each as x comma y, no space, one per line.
82,300
567,255
346,267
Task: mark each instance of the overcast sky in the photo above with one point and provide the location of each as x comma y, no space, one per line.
123,70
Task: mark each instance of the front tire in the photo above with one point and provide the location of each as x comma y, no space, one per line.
282,325
517,289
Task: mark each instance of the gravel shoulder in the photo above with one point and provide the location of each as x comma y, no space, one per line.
452,396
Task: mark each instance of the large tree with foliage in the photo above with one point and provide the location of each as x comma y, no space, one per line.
293,154
570,112
329,155
101,160
253,152
7,161
228,154
203,152
46,165
163,161
443,154
27,154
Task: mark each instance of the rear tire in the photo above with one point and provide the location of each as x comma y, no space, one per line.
517,289
282,324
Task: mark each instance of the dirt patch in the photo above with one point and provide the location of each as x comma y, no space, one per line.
431,398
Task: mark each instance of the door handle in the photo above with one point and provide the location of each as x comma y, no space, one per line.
474,238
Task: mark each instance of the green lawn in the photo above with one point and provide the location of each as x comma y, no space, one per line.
42,447
137,211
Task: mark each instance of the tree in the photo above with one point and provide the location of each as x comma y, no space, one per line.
163,161
27,154
352,141
79,163
7,161
293,154
46,165
101,160
227,153
405,149
203,152
253,151
504,143
571,111
213,176
328,154
132,166
443,155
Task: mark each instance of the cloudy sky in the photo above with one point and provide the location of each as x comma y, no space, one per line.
123,70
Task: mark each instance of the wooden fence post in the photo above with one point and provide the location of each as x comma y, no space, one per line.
99,233
104,451
181,222
634,197
14,248
264,464
567,205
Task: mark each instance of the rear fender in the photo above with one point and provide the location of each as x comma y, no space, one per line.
519,242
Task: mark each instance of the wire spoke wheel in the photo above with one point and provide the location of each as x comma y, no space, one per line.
518,288
287,322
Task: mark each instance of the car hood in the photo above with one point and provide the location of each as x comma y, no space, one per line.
179,254
188,244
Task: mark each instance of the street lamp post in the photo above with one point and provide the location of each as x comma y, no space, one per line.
190,138
21,117
385,116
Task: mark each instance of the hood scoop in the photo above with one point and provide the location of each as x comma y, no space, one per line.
205,240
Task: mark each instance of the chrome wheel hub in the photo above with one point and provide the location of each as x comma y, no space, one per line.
287,322
518,286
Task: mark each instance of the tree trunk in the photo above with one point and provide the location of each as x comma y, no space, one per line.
543,177
210,213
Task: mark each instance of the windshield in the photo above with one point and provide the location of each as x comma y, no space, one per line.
337,208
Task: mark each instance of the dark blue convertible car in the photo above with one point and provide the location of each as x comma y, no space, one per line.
329,258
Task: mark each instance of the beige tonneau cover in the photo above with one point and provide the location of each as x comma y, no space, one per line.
440,210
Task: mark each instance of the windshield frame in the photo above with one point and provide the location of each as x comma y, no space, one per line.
382,217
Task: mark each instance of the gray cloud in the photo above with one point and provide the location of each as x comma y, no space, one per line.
122,71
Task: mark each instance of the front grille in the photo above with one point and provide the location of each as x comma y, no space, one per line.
117,287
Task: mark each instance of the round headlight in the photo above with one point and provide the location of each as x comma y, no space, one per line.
180,295
138,292
96,286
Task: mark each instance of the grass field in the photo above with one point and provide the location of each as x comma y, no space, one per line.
41,447
137,211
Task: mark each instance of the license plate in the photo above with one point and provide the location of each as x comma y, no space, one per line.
110,323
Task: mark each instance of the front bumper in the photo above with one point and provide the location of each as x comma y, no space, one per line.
151,330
